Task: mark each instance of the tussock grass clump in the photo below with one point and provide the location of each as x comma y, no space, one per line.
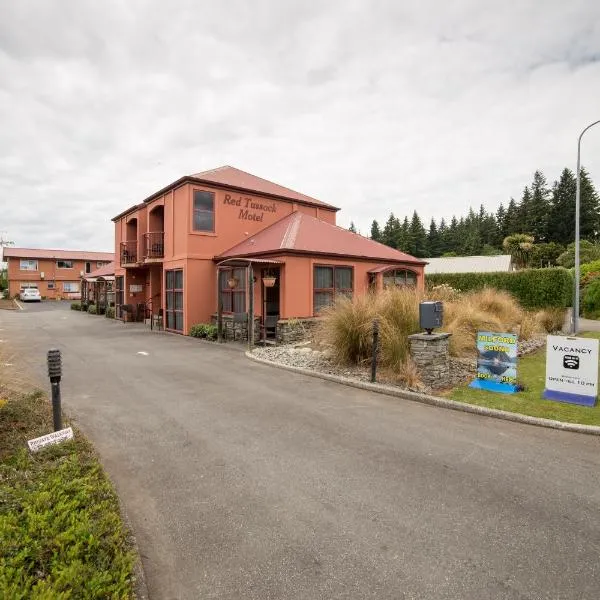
347,329
551,319
498,303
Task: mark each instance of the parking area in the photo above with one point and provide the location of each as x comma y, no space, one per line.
45,305
244,481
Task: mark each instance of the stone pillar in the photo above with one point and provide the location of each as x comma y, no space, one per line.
430,354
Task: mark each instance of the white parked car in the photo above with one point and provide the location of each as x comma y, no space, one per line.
30,295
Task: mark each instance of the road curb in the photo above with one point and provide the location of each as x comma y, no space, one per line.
436,400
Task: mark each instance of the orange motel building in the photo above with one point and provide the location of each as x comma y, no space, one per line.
198,246
55,273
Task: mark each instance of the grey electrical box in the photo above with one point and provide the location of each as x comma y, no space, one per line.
431,315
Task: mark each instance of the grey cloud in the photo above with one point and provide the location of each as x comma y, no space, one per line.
373,106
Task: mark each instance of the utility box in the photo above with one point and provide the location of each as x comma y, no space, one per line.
431,315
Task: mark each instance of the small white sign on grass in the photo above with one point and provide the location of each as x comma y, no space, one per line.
52,438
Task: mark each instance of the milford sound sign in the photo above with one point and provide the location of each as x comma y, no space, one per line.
250,209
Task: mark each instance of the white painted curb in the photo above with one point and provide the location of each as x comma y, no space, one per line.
435,400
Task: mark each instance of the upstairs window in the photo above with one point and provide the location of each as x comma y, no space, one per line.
327,283
64,264
28,265
204,211
88,267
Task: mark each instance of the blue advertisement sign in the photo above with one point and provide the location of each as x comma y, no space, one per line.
496,362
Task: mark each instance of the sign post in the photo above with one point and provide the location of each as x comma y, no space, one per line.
496,362
571,370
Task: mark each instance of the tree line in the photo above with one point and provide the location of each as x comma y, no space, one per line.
544,212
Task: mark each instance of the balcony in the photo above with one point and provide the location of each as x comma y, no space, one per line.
129,254
154,246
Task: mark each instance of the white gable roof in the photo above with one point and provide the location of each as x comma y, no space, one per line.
468,264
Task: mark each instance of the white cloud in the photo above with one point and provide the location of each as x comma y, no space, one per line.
372,106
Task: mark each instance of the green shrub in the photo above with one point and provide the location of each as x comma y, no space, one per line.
92,309
591,300
533,288
75,305
110,313
204,330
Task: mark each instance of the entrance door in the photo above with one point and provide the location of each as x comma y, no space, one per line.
270,312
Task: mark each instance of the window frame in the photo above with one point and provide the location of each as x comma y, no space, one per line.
195,210
70,291
99,264
405,271
240,291
333,291
51,284
33,261
64,261
173,311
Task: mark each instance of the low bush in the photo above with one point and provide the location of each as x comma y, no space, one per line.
347,329
591,300
110,313
533,288
551,320
75,305
206,331
92,310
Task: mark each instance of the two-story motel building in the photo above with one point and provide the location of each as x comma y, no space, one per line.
216,227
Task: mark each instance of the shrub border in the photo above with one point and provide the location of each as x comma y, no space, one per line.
436,400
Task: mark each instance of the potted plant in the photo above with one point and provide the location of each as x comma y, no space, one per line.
269,280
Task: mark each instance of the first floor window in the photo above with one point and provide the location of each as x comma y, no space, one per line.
64,264
204,211
70,287
328,282
233,299
26,285
174,291
399,277
50,285
28,265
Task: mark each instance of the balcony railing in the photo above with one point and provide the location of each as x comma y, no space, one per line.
154,245
129,253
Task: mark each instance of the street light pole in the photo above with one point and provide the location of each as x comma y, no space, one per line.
577,210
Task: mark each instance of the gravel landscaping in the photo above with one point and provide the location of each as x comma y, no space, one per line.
304,356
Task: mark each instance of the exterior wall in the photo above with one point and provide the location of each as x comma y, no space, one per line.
51,272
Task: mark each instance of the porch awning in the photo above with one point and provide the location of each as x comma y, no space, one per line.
90,279
106,278
381,268
241,261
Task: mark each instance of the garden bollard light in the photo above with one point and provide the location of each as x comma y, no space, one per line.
55,372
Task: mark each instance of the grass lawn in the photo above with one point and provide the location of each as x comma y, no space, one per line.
61,534
531,372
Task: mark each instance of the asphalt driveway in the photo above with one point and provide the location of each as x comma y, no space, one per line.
243,481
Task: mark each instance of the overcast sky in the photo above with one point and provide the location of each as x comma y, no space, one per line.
374,106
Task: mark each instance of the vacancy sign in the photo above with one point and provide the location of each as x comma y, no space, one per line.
52,438
571,370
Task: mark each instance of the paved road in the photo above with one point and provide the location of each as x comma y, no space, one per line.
243,481
45,305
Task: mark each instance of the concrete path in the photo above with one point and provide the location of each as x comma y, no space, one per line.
243,481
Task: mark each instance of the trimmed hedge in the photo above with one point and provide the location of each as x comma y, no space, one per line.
110,313
204,330
75,305
533,288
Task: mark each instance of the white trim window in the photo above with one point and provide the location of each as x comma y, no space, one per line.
99,264
51,285
28,285
70,287
28,265
64,264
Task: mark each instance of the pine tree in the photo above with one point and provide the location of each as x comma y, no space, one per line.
375,231
537,218
434,241
561,222
521,222
501,224
391,232
443,235
404,238
589,217
512,217
352,227
418,236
